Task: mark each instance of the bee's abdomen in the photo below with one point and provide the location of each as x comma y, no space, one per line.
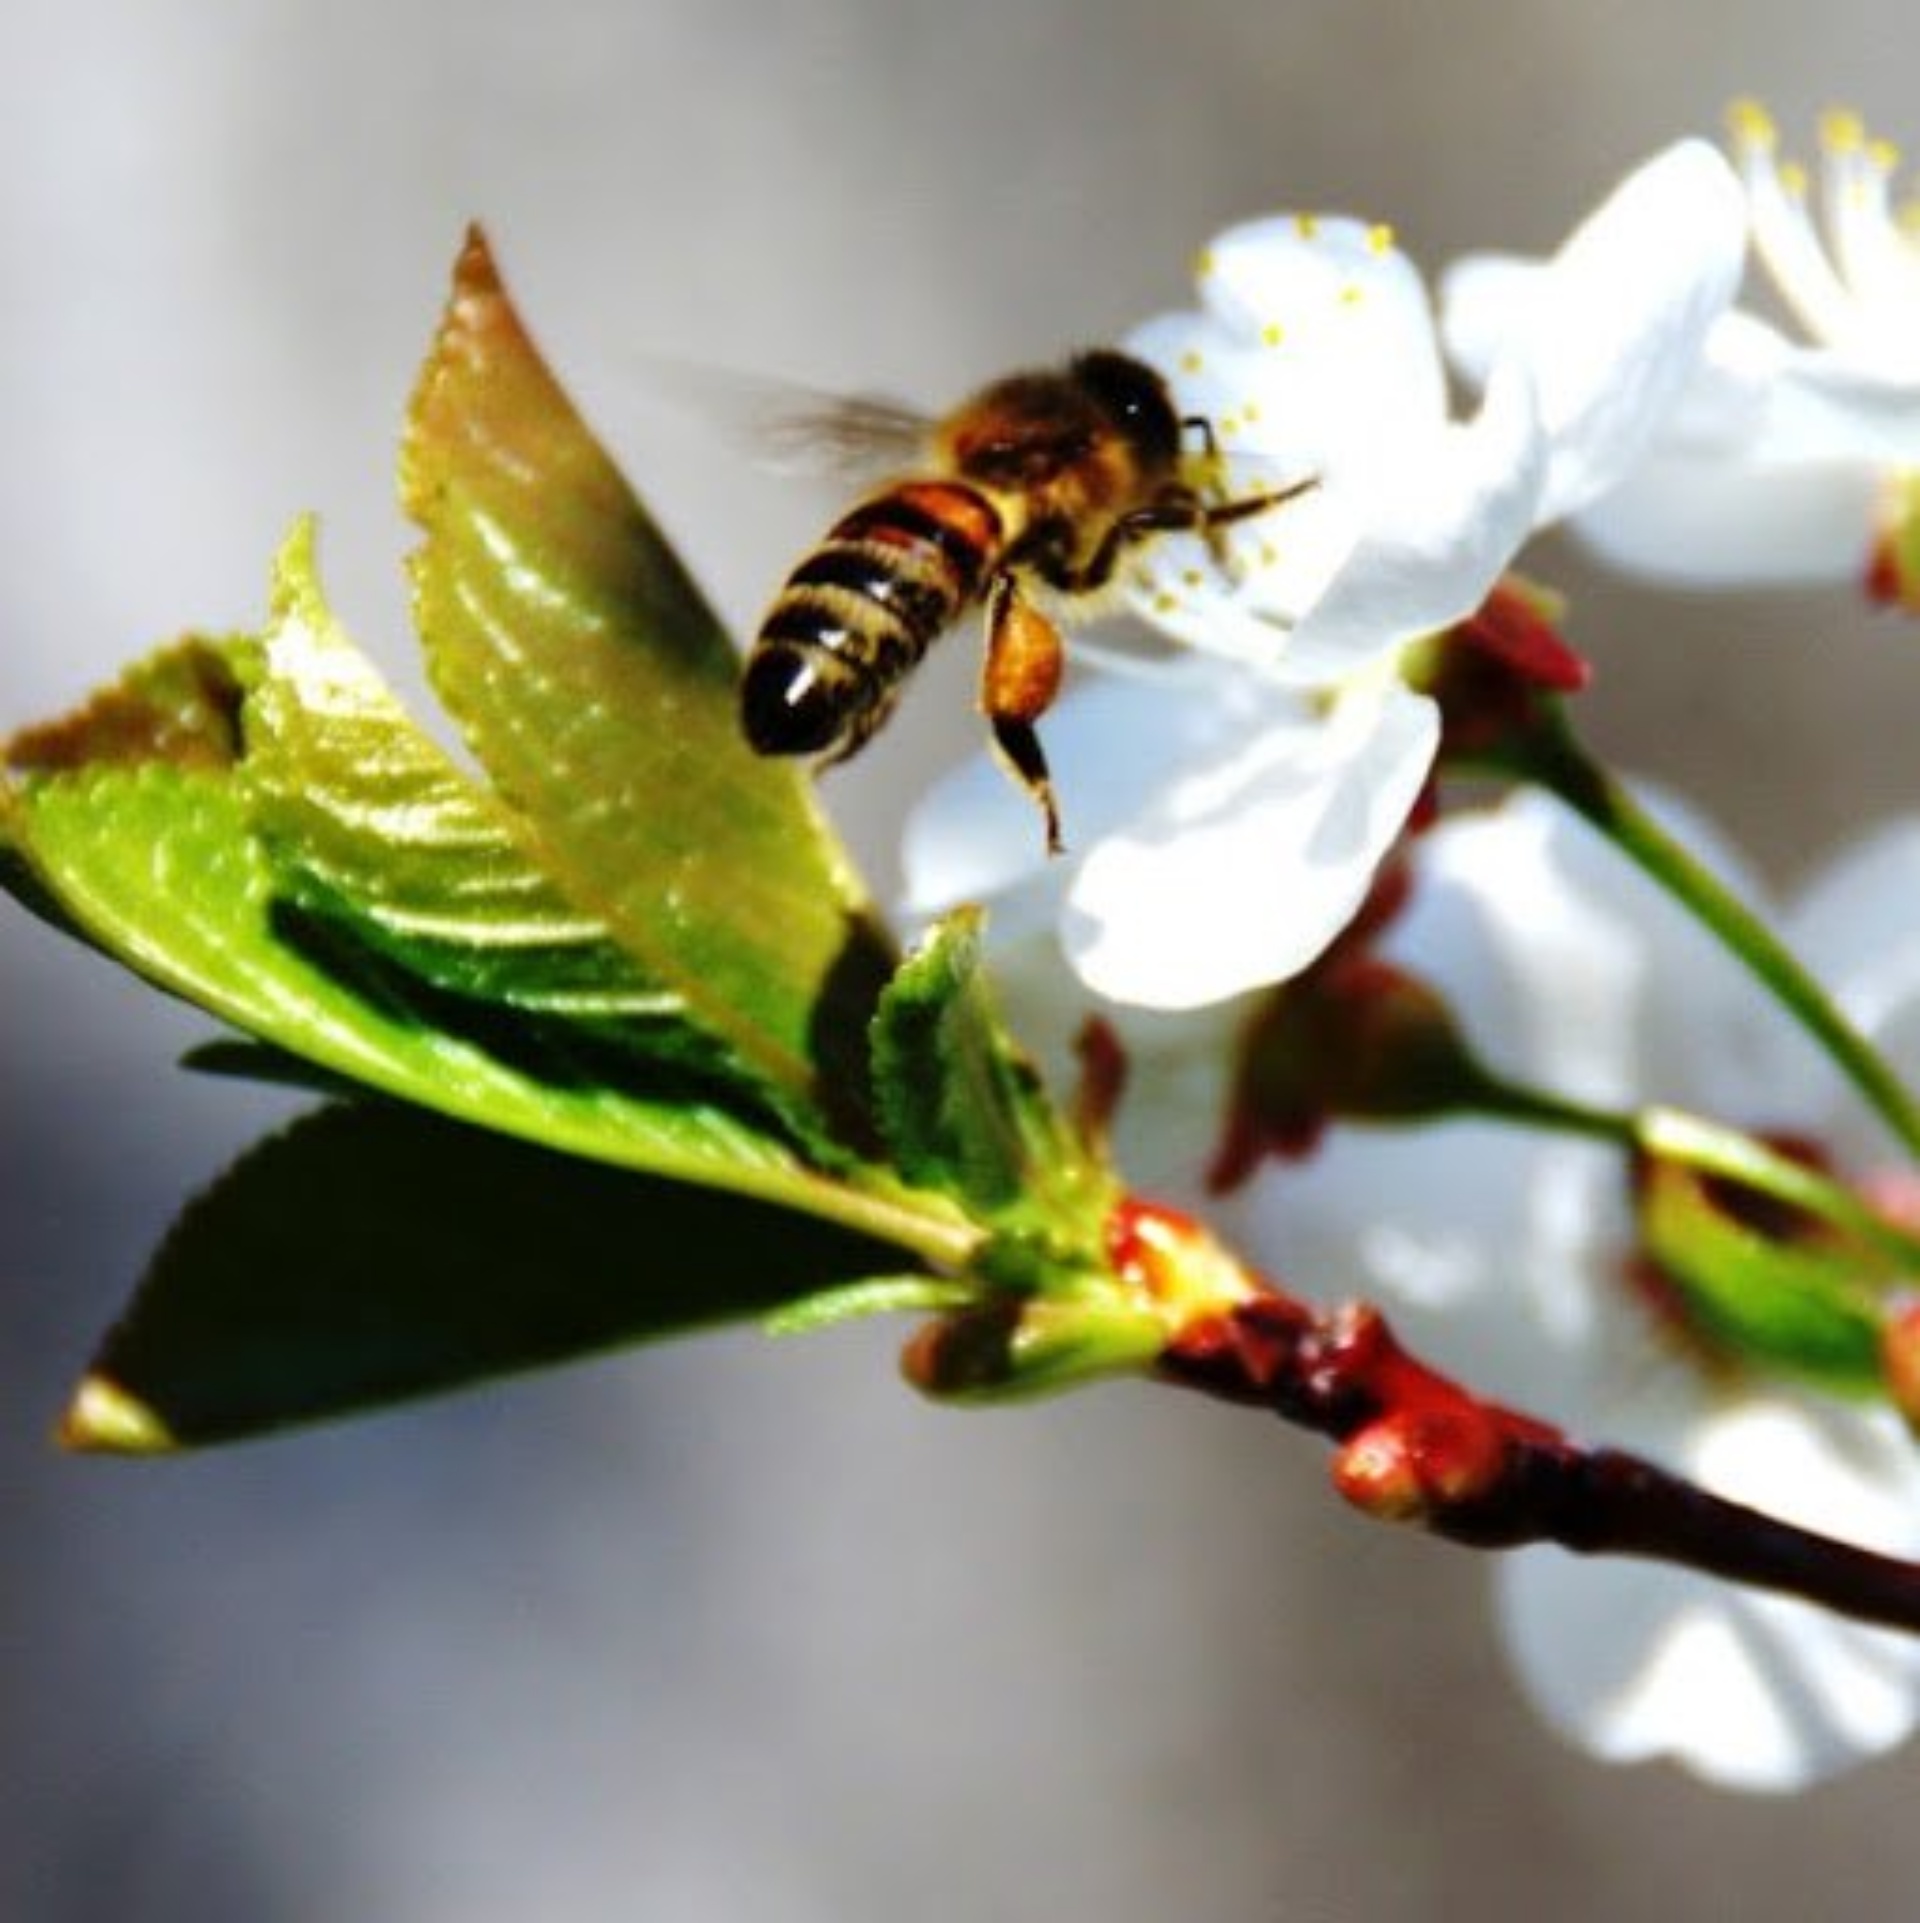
858,613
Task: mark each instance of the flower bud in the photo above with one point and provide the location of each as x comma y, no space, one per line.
1893,566
1414,1464
1747,1279
1353,1038
1490,672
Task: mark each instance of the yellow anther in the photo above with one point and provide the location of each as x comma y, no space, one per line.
1250,413
1380,238
1272,334
1752,126
1306,225
1350,295
1227,426
1793,180
1143,580
1190,362
1203,263
1191,577
1269,554
1884,155
1164,603
1842,131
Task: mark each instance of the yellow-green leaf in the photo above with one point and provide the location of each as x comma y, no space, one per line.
595,685
159,866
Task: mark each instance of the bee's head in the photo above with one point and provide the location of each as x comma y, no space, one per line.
1135,398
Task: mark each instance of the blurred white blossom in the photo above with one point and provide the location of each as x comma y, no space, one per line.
1506,1259
1788,459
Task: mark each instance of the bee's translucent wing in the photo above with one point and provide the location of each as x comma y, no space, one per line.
790,428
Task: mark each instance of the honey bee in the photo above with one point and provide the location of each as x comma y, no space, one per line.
1041,479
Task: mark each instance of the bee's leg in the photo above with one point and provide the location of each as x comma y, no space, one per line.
1220,514
1178,510
1025,661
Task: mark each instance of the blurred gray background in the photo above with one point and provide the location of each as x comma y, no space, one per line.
733,1630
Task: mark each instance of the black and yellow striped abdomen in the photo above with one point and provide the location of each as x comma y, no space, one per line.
857,614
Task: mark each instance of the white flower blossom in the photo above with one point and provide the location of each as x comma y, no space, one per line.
1227,816
1785,459
1505,1259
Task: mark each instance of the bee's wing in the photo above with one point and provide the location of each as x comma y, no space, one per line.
790,428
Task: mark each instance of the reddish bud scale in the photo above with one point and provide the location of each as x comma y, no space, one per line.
1515,630
1415,1446
1144,1240
1354,1036
1892,575
1103,1079
1174,1267
1405,1468
1881,582
1900,1362
1490,672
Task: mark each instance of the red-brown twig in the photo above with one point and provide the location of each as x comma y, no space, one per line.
1414,1446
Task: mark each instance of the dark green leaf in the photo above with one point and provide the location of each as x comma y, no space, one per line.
372,1253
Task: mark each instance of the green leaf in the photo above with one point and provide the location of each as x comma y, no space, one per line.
384,844
372,1253
179,706
367,815
159,866
597,688
1804,1305
964,1111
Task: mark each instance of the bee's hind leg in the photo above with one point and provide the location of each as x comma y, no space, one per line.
1025,662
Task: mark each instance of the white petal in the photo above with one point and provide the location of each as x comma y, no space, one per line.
1748,1690
1491,301
976,834
1333,302
1437,534
1636,1660
1487,301
1458,1230
1704,520
1609,992
1858,928
1823,406
1238,873
1622,314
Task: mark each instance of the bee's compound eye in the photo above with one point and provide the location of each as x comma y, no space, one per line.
788,706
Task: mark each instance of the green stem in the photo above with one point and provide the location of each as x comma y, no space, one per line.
1552,758
1525,1107
1694,1142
